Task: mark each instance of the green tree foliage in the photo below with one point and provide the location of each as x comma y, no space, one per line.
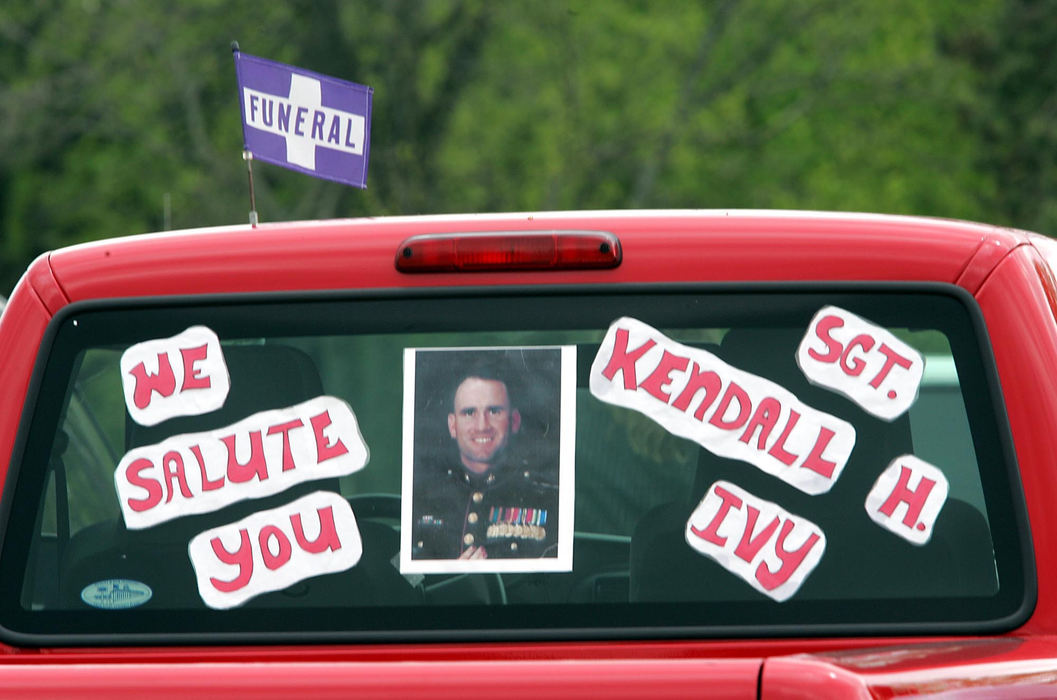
1017,120
753,103
120,117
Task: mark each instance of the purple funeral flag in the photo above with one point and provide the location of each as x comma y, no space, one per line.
303,120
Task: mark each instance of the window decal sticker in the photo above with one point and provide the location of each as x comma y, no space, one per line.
732,413
766,546
866,363
907,498
259,456
116,594
488,459
184,375
273,549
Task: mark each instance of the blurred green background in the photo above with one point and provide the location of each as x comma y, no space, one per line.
121,117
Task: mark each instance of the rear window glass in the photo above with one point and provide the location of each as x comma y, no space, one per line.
708,461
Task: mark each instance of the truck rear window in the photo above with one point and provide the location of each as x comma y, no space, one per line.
709,461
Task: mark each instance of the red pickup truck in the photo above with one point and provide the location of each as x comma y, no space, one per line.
744,454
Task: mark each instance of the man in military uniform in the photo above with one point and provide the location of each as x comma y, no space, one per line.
489,500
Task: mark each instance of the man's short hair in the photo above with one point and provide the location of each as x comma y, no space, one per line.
488,365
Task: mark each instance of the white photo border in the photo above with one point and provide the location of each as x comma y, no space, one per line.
566,474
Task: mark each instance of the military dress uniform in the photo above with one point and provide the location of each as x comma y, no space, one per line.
512,511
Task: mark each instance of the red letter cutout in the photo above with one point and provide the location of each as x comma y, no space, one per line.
164,382
325,450
915,499
273,561
284,429
193,378
243,556
711,533
328,534
153,488
255,466
623,361
656,384
822,329
790,560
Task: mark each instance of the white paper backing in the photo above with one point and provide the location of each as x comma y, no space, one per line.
775,556
799,438
289,561
866,363
200,380
908,497
148,479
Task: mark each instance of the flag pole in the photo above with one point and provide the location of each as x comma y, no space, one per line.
247,154
248,157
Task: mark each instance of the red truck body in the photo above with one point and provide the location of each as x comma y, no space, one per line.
1005,271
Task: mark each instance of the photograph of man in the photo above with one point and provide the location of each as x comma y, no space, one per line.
487,428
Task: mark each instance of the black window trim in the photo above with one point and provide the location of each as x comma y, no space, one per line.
1013,618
